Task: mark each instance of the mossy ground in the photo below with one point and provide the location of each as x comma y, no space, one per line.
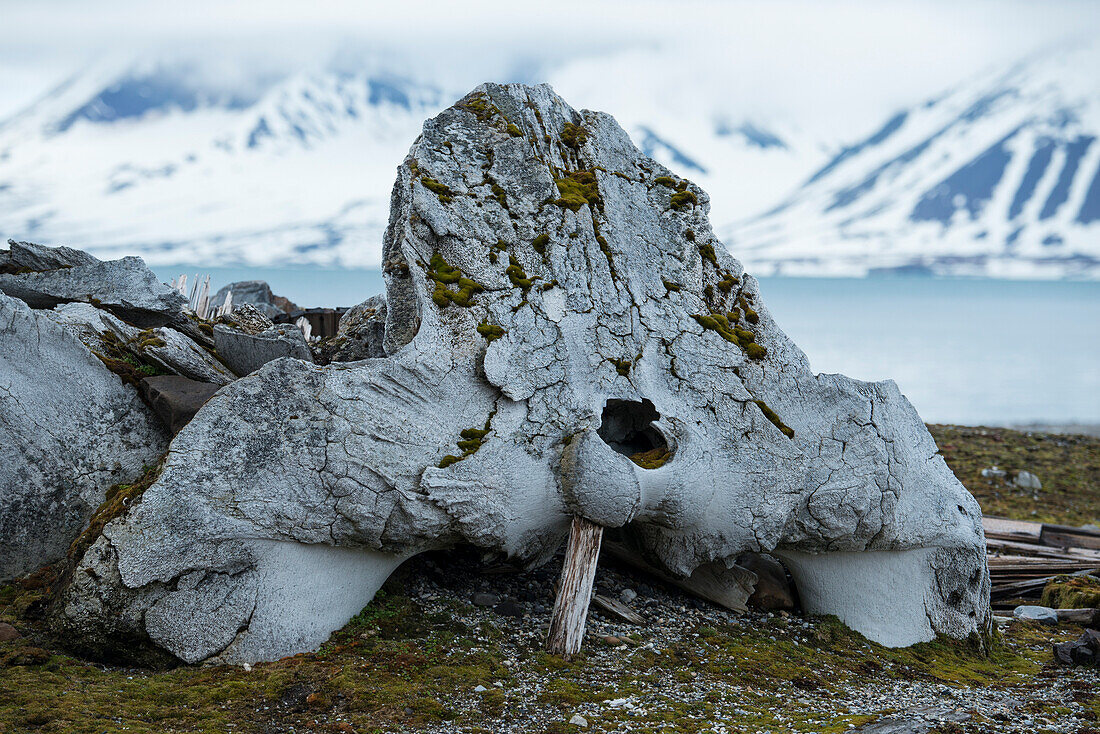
1067,465
412,661
402,665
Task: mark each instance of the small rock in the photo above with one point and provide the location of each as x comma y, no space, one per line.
480,688
509,608
482,599
612,640
176,399
7,632
993,473
627,595
579,720
1043,615
1027,480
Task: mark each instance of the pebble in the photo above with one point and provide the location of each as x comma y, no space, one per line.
612,640
579,720
481,599
627,595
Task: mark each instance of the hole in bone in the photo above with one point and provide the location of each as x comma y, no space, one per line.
961,509
627,427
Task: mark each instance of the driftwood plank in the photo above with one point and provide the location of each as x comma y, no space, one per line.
582,551
616,608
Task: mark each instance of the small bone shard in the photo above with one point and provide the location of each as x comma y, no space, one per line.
578,573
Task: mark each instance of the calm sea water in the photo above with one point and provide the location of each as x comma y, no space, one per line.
963,351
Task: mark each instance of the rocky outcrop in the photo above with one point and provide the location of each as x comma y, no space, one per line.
162,347
360,334
566,337
69,429
247,340
256,293
126,287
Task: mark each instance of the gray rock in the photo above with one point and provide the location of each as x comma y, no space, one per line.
176,399
40,258
627,595
164,347
245,353
1027,480
126,288
360,334
247,318
481,599
1031,613
579,720
541,334
69,429
255,293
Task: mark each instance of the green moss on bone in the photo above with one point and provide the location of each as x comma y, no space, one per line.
577,189
668,181
471,439
653,458
707,252
622,366
670,286
499,195
720,324
682,200
776,421
514,131
444,275
540,242
491,332
517,275
573,136
441,190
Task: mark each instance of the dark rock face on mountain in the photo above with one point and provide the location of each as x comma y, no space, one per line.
255,293
566,337
69,429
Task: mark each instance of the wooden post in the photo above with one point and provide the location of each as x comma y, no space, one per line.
578,573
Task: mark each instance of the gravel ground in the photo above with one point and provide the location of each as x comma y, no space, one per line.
671,697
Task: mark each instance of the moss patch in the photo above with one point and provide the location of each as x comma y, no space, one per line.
682,200
518,275
622,366
441,190
119,499
1072,592
668,181
577,189
470,440
491,332
540,242
652,459
443,275
774,418
723,324
573,136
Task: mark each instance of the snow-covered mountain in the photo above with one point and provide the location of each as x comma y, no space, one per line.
998,177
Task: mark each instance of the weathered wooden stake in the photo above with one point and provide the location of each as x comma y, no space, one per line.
578,573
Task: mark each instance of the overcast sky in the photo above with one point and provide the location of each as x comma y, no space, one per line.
777,57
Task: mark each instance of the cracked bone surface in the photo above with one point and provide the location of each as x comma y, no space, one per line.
556,305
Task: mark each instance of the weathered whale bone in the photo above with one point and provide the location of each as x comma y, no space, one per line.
566,339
